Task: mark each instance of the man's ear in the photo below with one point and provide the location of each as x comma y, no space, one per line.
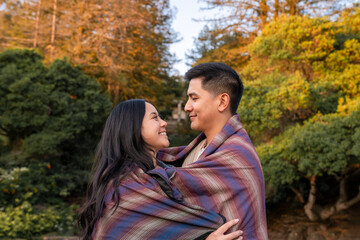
224,102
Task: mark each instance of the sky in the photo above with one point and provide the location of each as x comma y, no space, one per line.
187,28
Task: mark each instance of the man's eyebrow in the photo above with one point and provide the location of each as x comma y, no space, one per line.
193,94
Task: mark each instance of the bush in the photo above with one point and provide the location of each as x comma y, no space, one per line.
182,134
36,183
49,116
24,221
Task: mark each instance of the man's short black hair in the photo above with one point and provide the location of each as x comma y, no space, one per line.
219,78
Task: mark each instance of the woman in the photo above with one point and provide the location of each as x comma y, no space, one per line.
123,202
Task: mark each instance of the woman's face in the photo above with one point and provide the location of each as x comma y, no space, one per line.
153,129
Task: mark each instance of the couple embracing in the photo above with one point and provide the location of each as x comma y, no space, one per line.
218,192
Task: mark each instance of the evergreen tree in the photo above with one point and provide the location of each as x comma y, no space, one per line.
49,115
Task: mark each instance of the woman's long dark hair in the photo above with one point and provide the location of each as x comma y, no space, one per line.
120,149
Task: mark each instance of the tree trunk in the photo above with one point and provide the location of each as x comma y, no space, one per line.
342,190
37,23
26,4
53,30
340,205
343,202
277,9
310,206
315,212
263,13
292,5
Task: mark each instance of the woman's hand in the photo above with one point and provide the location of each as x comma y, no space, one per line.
219,234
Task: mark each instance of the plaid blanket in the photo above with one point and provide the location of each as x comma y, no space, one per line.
226,179
147,212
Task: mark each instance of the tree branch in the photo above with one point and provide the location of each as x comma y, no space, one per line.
345,205
298,194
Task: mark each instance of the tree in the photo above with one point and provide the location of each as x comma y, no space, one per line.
327,145
238,22
124,45
212,46
301,104
299,66
49,115
252,16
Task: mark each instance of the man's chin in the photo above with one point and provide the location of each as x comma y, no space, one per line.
194,127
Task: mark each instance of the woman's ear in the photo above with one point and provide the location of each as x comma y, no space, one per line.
224,102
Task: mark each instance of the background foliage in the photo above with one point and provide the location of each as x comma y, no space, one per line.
299,59
50,119
123,44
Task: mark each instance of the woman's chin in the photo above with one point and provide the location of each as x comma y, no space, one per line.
166,144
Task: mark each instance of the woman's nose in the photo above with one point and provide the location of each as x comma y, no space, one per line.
163,123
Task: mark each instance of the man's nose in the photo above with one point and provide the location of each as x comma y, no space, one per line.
188,107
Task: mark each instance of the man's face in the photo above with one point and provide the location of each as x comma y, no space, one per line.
201,106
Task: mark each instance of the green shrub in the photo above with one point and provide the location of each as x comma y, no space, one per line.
26,221
36,183
49,115
182,134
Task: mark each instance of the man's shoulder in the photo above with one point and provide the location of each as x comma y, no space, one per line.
237,141
239,147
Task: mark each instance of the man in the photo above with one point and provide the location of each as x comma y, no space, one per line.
220,171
